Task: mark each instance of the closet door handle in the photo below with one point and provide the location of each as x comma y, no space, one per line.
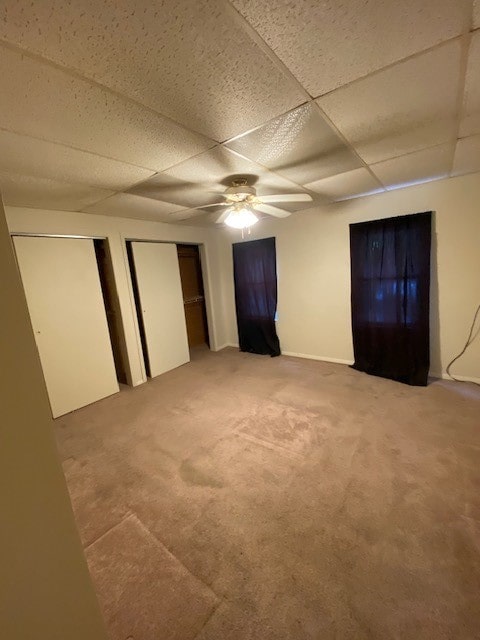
193,300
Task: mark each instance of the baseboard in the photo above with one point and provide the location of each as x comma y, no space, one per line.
445,376
220,347
311,357
308,356
227,344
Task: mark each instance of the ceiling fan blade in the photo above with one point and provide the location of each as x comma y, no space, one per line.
272,211
223,216
215,204
287,197
204,206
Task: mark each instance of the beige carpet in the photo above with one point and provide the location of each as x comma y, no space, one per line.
241,497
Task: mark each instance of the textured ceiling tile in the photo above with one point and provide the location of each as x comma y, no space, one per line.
45,102
404,108
219,165
467,156
470,123
201,221
125,205
414,168
191,214
299,145
166,188
187,60
351,184
197,217
327,44
39,193
33,157
208,175
476,14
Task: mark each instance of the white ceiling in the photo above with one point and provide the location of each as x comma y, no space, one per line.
147,110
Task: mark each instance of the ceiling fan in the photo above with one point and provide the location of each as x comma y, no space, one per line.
242,202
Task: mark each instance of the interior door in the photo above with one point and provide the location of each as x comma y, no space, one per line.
161,301
62,287
193,295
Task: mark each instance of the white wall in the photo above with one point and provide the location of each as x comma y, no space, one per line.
313,258
45,589
23,220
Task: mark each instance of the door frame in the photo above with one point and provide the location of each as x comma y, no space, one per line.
206,287
204,301
103,238
15,234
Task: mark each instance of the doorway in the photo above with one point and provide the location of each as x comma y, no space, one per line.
62,283
158,297
193,294
112,308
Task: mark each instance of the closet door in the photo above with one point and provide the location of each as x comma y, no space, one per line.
62,287
161,301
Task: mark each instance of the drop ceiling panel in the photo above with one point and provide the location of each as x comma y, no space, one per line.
299,145
192,215
33,157
125,205
203,179
467,156
328,44
202,220
217,165
351,184
470,123
45,102
414,168
187,60
183,193
401,109
39,193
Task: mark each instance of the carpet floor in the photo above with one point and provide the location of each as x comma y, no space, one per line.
241,497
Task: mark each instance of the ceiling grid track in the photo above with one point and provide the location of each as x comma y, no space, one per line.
205,152
75,74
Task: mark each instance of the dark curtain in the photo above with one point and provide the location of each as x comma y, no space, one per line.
390,277
255,275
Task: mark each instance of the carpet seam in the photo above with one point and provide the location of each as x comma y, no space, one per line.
124,519
210,616
172,555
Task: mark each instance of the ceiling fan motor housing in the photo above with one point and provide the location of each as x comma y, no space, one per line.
239,191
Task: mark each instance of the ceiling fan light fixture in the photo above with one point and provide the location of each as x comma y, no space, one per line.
241,218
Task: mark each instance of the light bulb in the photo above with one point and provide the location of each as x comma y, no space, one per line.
241,218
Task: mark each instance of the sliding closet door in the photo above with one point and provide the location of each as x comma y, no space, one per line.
62,286
161,301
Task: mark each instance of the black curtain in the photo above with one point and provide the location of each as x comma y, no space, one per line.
390,278
255,275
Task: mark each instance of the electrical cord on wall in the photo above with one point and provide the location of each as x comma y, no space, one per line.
470,339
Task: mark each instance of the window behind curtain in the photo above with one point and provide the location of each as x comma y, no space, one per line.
255,276
390,279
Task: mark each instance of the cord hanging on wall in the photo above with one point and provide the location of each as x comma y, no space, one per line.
471,337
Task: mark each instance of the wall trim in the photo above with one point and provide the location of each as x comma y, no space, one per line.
458,378
308,356
293,354
224,346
